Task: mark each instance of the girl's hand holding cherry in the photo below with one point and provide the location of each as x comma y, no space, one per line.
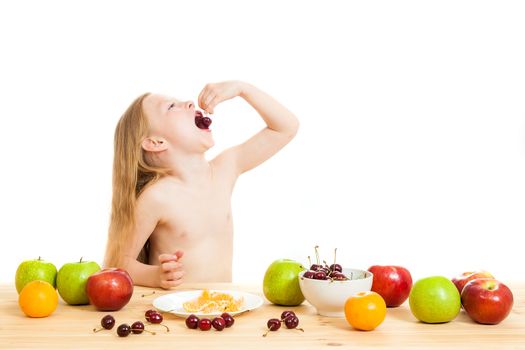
215,93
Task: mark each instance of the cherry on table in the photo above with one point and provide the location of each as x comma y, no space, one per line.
204,324
218,323
292,322
107,322
123,330
287,313
137,327
192,321
148,314
155,318
228,319
273,325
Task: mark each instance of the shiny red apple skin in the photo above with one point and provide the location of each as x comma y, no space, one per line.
487,300
109,289
461,280
393,283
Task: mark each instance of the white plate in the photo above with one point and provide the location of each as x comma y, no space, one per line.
173,302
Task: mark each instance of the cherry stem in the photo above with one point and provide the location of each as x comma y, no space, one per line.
267,331
309,261
145,330
97,330
163,325
300,329
148,294
317,254
81,258
335,254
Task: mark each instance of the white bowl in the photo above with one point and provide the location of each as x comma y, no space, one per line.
329,297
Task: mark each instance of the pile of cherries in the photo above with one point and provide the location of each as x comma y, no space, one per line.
205,324
289,318
152,316
317,271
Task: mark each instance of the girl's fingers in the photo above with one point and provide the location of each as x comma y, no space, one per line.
201,97
179,253
207,99
213,103
204,95
163,258
173,276
170,266
170,284
167,257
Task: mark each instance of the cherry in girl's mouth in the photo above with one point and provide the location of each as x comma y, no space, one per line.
201,121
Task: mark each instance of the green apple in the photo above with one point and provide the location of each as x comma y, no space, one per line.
281,283
32,270
72,279
434,300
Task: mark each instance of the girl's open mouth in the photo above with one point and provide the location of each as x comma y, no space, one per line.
201,121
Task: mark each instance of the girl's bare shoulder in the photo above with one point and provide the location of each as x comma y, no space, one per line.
158,191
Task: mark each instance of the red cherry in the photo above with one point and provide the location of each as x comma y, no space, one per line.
228,319
218,323
148,314
205,324
285,314
192,322
320,275
309,274
137,327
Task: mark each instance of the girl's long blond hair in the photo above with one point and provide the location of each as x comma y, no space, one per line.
131,173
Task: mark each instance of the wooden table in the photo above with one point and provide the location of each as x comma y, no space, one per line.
70,327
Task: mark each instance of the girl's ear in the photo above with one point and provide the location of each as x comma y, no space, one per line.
154,145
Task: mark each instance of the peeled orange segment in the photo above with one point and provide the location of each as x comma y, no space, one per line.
209,302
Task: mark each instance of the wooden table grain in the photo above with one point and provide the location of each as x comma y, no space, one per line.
70,327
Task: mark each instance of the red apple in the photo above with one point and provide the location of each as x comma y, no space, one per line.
487,300
461,280
109,289
393,283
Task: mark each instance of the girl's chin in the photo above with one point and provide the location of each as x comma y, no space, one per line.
209,144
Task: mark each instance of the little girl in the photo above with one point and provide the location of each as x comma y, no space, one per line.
171,208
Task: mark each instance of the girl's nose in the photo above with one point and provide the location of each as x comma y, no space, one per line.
188,104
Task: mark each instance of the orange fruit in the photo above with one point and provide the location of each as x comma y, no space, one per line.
38,299
365,310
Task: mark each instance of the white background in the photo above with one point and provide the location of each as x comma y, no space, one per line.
412,142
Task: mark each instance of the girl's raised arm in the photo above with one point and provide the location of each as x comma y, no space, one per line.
281,124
